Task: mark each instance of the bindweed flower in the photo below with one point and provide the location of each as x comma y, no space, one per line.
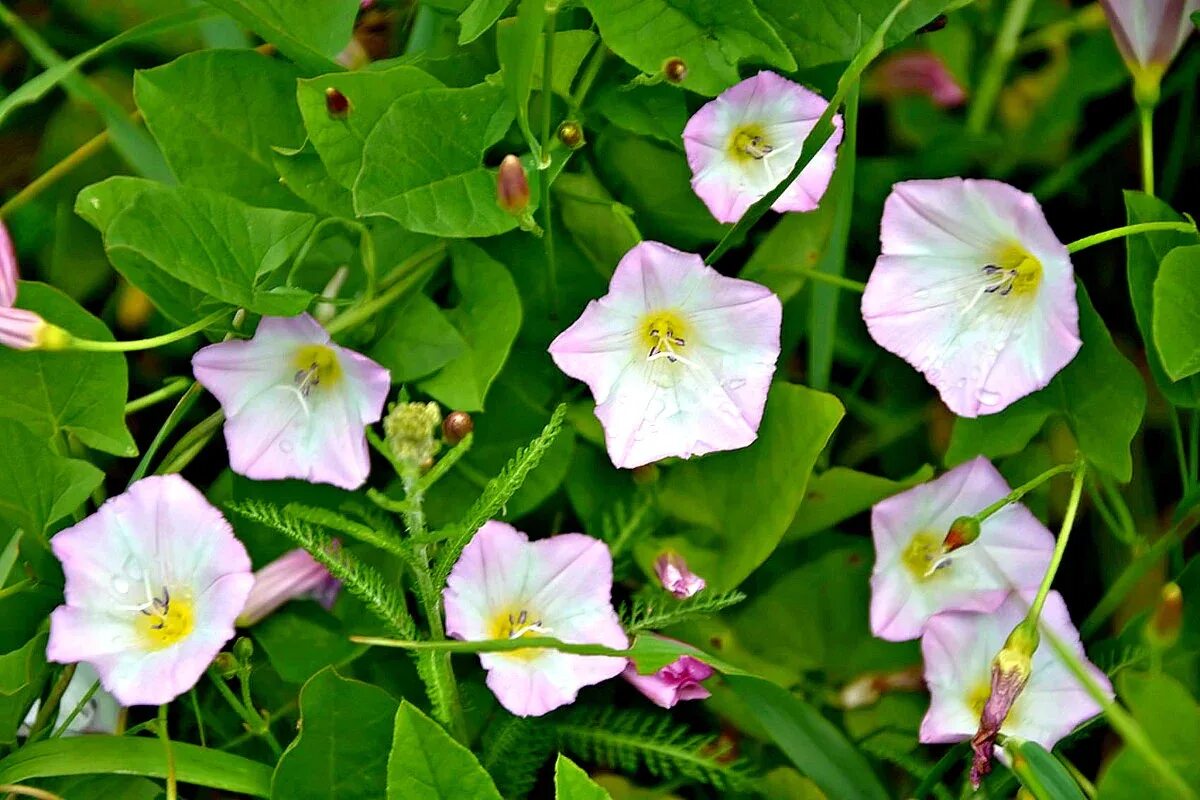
507,587
295,574
154,581
915,578
295,403
676,578
21,329
920,73
8,269
1041,701
682,679
1149,33
678,357
743,143
98,714
974,290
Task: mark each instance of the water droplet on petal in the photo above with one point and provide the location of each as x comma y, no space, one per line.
119,584
988,397
962,382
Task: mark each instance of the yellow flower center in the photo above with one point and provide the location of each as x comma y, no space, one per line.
316,365
922,552
1015,272
168,620
749,143
663,334
978,696
518,623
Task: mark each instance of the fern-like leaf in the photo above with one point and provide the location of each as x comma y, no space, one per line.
629,740
514,749
348,527
497,492
379,595
655,610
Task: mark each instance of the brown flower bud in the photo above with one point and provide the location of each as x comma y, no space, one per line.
336,103
570,134
674,70
512,187
456,426
963,531
1162,630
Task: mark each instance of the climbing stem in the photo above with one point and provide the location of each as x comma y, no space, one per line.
147,344
1060,547
1128,230
1016,494
996,69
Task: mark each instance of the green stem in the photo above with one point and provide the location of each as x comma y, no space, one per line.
17,588
380,446
176,386
254,721
1146,119
1128,230
590,71
165,736
494,645
996,70
190,444
173,419
1180,452
83,701
53,175
1060,547
199,717
445,464
1121,721
146,344
544,166
412,274
1016,494
832,280
49,709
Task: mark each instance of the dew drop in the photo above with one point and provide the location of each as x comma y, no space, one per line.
988,398
119,585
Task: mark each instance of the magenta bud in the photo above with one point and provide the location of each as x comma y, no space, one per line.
963,531
676,578
336,103
512,187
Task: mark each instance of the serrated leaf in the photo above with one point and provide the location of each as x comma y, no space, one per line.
38,486
427,764
572,783
309,33
1177,312
67,392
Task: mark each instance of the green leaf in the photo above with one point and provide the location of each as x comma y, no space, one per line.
418,340
570,49
105,787
88,755
1144,254
1170,718
38,486
572,783
658,111
1042,775
309,33
1100,394
427,764
54,392
301,639
216,115
304,174
600,226
422,164
822,33
517,46
340,140
1177,312
711,36
478,18
21,675
187,248
342,750
812,742
839,493
744,500
488,317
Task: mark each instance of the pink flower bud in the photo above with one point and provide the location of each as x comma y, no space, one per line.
1149,33
26,330
8,269
918,73
679,680
675,576
512,187
294,574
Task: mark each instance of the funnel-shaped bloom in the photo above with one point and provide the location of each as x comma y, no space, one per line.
914,579
917,72
507,587
19,329
682,679
98,714
1149,33
295,403
742,144
155,579
678,357
293,575
974,290
960,649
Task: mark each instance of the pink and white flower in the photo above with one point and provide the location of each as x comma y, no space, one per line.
914,579
19,329
296,404
674,575
743,143
154,581
295,574
959,649
974,290
917,72
1149,33
679,358
507,587
98,714
682,679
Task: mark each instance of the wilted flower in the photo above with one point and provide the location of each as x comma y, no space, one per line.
1011,669
916,72
974,290
295,403
98,714
682,679
507,587
1149,33
294,574
672,571
960,652
154,581
747,140
914,578
678,357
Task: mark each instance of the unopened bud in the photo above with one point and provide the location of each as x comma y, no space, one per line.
243,649
963,531
570,134
674,70
226,664
1162,630
456,426
336,103
512,187
26,330
1010,672
674,575
409,431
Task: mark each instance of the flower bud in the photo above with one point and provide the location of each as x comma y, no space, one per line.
409,431
8,269
512,187
336,103
675,577
1010,672
963,531
243,649
1162,629
226,664
294,574
456,426
26,330
571,134
674,70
